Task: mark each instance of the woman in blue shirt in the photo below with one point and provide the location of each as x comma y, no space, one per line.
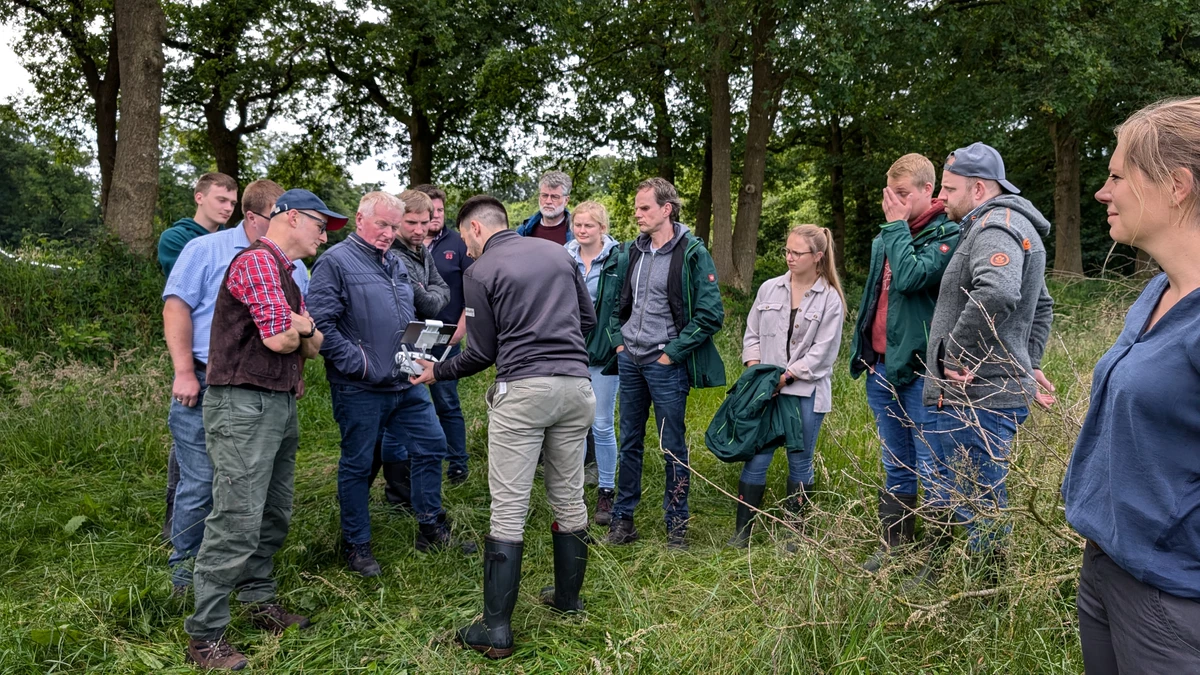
1133,484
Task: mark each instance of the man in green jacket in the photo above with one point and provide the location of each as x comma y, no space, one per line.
662,327
216,196
907,260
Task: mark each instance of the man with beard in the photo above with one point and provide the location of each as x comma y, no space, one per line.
553,220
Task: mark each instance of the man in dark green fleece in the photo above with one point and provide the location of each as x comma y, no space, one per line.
216,196
907,260
986,341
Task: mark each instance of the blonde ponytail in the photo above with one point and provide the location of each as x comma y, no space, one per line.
820,239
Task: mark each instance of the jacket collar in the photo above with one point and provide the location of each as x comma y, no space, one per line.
785,281
497,239
368,249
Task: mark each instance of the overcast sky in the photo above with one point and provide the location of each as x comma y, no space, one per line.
14,81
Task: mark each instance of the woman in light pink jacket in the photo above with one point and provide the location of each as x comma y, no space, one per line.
795,323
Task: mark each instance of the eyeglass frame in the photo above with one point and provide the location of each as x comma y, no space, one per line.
324,223
796,254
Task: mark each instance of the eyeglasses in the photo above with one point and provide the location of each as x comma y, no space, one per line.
546,197
324,223
789,253
260,215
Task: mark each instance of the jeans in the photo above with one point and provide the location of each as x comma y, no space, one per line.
605,436
193,491
667,388
971,448
1126,626
799,450
449,412
363,416
539,416
902,420
252,438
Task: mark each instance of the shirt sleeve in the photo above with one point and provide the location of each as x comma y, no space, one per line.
186,280
254,282
482,343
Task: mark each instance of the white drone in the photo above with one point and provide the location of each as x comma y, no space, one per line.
419,338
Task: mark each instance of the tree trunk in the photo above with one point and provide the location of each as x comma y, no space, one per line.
837,189
105,98
140,28
722,160
704,208
1068,251
420,170
664,135
226,146
764,97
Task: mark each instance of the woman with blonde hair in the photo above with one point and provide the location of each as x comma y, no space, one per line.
1132,488
795,323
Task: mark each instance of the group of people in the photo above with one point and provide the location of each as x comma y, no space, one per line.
951,329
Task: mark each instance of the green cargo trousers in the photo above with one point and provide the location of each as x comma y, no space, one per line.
251,437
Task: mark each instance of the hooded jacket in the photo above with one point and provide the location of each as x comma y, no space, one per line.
430,292
993,311
604,287
751,418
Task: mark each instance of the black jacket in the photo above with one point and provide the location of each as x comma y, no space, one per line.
527,311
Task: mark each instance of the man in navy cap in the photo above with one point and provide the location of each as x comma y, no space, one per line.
261,335
986,340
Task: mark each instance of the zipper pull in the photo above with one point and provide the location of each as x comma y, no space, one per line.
939,402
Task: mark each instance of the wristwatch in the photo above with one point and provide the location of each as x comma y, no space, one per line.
311,332
788,379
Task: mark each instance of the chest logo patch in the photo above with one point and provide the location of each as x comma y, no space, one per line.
1026,245
469,311
449,255
944,248
999,260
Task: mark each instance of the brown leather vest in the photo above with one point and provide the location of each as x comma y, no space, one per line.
236,353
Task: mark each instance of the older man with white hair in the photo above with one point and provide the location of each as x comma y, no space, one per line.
361,298
553,220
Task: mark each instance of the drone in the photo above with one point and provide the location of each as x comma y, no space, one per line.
419,338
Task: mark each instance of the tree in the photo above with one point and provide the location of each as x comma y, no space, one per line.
456,76
140,27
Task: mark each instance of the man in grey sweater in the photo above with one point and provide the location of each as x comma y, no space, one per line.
986,341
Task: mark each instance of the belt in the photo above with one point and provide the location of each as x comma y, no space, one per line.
198,365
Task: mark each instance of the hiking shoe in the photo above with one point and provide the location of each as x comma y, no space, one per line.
456,476
179,591
677,539
215,655
622,531
271,616
359,558
437,536
604,506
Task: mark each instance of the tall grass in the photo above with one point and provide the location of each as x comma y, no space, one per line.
84,586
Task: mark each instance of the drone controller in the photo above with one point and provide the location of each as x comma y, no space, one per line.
419,339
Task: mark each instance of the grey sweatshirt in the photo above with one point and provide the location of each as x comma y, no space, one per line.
650,326
993,312
430,292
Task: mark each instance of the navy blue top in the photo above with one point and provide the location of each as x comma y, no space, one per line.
1133,483
450,258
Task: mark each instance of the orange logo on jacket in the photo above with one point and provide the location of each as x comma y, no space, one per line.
944,248
999,260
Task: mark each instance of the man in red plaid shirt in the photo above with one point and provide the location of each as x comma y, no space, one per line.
261,336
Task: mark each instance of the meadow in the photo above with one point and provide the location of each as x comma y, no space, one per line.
84,585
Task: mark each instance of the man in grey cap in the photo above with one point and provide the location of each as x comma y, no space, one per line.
986,340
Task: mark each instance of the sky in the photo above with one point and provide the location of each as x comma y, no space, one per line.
14,82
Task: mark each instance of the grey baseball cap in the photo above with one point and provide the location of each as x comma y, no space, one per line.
979,160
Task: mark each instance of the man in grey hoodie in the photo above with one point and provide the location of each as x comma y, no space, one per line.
986,340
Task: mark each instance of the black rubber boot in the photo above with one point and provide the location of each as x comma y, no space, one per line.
398,487
897,521
749,499
492,635
939,536
797,505
570,563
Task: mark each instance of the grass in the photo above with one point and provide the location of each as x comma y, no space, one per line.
84,585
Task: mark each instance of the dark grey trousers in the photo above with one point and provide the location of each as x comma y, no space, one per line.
1126,626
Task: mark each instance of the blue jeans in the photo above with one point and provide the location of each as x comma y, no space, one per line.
902,420
799,450
971,448
363,417
605,387
667,388
193,493
449,412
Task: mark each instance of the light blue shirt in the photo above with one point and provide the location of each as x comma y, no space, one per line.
197,275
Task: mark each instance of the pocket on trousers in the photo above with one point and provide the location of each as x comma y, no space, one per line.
231,501
247,403
1181,619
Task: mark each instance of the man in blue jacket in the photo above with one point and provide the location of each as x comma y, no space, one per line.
362,301
552,220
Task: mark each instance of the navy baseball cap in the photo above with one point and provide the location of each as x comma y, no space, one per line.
979,160
307,201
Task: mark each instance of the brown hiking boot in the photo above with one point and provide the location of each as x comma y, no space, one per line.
215,655
273,617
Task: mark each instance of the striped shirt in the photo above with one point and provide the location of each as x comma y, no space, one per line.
254,282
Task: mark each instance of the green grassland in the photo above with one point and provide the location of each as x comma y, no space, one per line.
84,585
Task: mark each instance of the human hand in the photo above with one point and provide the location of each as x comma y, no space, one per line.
893,207
664,359
300,389
752,362
958,374
620,348
186,389
1045,393
783,382
426,376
